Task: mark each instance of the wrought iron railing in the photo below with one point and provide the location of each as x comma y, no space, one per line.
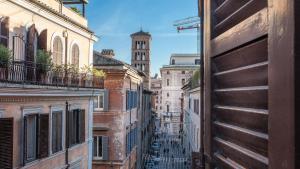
22,72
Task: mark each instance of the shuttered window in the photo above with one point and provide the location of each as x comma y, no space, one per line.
36,136
4,31
99,102
57,131
75,55
75,127
6,143
57,52
100,148
131,99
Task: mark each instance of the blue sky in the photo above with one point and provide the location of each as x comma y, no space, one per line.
114,20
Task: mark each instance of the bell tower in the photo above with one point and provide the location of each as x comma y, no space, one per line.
140,54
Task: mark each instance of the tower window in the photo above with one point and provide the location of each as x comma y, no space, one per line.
197,61
173,61
168,82
183,72
183,81
168,72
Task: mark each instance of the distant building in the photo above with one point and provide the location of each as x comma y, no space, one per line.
174,76
122,117
157,94
45,112
140,54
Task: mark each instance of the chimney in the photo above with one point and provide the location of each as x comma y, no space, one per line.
108,53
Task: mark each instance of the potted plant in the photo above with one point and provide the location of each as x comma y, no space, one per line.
98,77
43,64
5,59
73,72
86,71
58,71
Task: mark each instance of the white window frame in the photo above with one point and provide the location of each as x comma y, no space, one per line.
98,157
98,108
26,111
55,109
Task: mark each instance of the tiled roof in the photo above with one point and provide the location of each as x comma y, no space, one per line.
141,33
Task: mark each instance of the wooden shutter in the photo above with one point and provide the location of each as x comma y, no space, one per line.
31,35
82,125
4,32
106,100
24,140
42,40
69,128
249,83
6,143
105,146
127,100
43,136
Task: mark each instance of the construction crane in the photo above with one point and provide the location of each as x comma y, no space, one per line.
187,24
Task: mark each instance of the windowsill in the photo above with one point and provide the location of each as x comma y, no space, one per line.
98,158
74,146
35,162
98,109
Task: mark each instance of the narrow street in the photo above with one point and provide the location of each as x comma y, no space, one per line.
166,152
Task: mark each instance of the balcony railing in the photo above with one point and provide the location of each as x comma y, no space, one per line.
22,72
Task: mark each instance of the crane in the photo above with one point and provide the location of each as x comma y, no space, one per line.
188,24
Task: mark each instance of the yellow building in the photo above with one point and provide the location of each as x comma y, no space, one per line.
46,111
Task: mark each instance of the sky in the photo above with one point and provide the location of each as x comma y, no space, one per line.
114,20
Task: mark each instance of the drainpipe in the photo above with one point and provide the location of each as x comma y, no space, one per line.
66,136
201,15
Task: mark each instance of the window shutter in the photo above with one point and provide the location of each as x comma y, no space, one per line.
31,35
24,139
43,136
82,126
42,41
4,32
69,128
6,143
105,145
106,100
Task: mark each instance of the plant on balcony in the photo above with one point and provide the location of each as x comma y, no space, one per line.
88,72
76,10
98,73
73,73
43,61
5,56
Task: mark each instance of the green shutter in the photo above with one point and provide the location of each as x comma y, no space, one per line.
105,145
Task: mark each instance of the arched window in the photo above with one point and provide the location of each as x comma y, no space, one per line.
57,52
75,55
173,61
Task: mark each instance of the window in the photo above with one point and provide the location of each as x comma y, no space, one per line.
75,55
183,72
57,51
76,127
197,61
143,67
168,82
173,61
57,126
160,107
36,132
99,102
182,81
31,137
4,31
168,95
168,72
131,99
98,147
168,108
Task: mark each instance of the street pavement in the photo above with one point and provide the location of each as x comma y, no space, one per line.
170,155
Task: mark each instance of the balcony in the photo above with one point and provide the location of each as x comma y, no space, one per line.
29,73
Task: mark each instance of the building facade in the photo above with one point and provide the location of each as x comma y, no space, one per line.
140,54
191,116
45,111
116,119
174,76
157,95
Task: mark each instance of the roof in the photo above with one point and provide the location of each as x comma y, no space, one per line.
141,33
100,60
